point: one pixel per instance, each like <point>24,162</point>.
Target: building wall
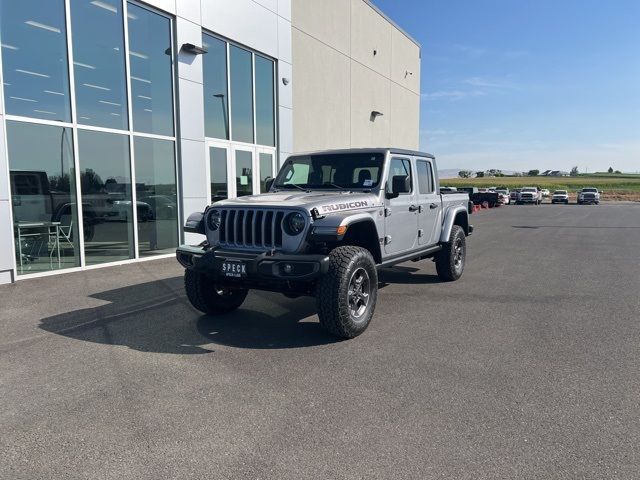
<point>261,25</point>
<point>350,60</point>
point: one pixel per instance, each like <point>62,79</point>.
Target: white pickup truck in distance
<point>530,195</point>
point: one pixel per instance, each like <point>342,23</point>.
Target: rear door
<point>401,222</point>
<point>429,203</point>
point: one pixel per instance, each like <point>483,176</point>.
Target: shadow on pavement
<point>156,317</point>
<point>405,275</point>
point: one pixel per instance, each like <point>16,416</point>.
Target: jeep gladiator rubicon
<point>326,225</point>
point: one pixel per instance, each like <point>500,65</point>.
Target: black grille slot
<point>223,226</point>
<point>268,228</point>
<point>248,224</point>
<point>239,225</point>
<point>231,231</point>
<point>278,229</point>
<point>258,228</point>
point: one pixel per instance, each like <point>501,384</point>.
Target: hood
<point>325,202</point>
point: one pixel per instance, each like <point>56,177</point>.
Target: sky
<point>527,84</point>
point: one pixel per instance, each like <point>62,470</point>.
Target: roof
<point>386,17</point>
<point>399,151</point>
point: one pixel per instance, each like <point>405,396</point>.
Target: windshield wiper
<point>286,185</point>
<point>334,185</point>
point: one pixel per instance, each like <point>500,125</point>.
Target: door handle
<point>413,208</point>
<point>433,205</point>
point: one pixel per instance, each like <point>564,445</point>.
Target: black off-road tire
<point>334,302</point>
<point>449,264</point>
<point>210,298</point>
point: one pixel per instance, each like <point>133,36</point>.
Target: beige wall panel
<point>405,118</point>
<point>326,20</point>
<point>405,57</point>
<point>370,31</point>
<point>320,95</point>
<point>369,91</point>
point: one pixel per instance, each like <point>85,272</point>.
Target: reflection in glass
<point>216,104</point>
<point>98,59</point>
<point>266,169</point>
<point>43,197</point>
<point>218,167</point>
<point>34,58</point>
<point>265,104</point>
<point>106,196</point>
<point>150,63</point>
<point>244,175</point>
<point>241,95</point>
<point>156,196</point>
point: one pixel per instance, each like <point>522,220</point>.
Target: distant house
<point>557,173</point>
<point>546,173</point>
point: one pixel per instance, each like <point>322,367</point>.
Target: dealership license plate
<point>234,269</point>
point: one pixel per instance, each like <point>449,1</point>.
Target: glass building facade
<point>90,115</point>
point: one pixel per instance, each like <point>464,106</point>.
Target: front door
<point>219,170</point>
<point>266,167</point>
<point>401,222</point>
<point>430,208</point>
<point>243,171</point>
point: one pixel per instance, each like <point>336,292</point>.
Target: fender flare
<point>449,220</point>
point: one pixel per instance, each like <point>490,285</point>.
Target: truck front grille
<point>251,228</point>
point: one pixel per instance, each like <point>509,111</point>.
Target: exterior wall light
<point>375,114</point>
<point>192,49</point>
<point>285,81</point>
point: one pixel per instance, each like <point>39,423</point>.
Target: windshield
<point>502,191</point>
<point>589,190</point>
<point>341,171</point>
<point>529,189</point>
<point>560,192</point>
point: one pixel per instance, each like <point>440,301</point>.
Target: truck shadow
<point>157,317</point>
<point>405,275</point>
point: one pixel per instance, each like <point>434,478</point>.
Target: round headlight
<point>294,223</point>
<point>214,220</point>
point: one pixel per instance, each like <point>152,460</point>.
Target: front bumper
<point>260,267</point>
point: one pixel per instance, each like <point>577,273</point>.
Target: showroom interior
<point>119,118</point>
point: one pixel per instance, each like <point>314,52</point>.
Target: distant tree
<point>494,173</point>
<point>618,172</point>
<point>533,173</point>
<point>574,171</point>
<point>479,174</point>
<point>465,173</point>
<point>610,170</point>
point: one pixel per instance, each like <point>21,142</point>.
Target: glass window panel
<point>241,95</point>
<point>424,177</point>
<point>150,64</point>
<point>157,196</point>
<point>218,164</point>
<point>34,58</point>
<point>266,169</point>
<point>216,103</point>
<point>265,102</point>
<point>98,57</point>
<point>105,181</point>
<point>43,197</point>
<point>244,174</point>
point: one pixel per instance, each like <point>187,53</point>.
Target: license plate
<point>234,268</point>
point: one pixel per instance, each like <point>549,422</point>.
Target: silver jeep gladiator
<point>329,221</point>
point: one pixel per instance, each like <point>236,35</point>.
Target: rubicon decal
<point>344,206</point>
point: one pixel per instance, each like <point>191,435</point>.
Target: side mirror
<point>399,184</point>
<point>268,183</point>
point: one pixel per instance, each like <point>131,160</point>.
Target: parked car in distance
<point>589,195</point>
<point>560,196</point>
<point>503,196</point>
<point>448,190</point>
<point>545,193</point>
<point>530,195</point>
<point>513,196</point>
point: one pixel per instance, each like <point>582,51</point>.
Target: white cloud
<point>453,95</point>
<point>488,83</point>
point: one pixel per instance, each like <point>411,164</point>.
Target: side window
<point>425,177</point>
<point>400,166</point>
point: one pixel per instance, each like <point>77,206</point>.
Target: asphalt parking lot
<point>528,367</point>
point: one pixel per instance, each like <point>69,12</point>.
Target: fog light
<point>287,268</point>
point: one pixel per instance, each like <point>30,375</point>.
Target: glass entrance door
<point>243,171</point>
<point>219,170</point>
<point>266,167</point>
